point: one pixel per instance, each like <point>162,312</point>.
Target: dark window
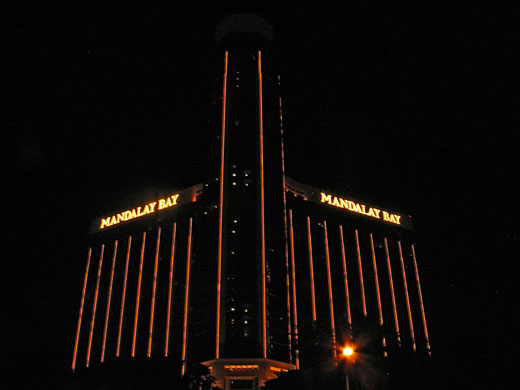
<point>241,384</point>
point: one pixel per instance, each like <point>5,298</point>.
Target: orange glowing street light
<point>348,351</point>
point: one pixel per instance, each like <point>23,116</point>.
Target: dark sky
<point>408,106</point>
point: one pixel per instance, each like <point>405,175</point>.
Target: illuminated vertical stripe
<point>311,271</point>
<point>80,315</point>
<point>421,300</point>
<point>408,308</point>
<point>94,306</point>
<point>221,207</point>
<point>392,294</point>
<point>123,297</point>
<point>288,304</point>
<point>138,295</point>
<point>262,211</point>
<point>378,294</point>
<point>154,289</point>
<point>295,308</point>
<point>109,301</point>
<point>170,289</point>
<point>329,285</point>
<point>287,282</point>
<point>186,303</point>
<point>345,278</point>
<point>361,282</point>
<point>284,196</point>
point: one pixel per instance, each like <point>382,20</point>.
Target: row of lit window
<point>246,174</point>
<point>232,321</point>
<point>246,183</point>
<point>233,309</point>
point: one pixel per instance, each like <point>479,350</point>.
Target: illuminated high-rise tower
<point>249,272</point>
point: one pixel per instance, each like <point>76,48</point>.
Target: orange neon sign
<point>141,211</point>
<point>360,208</point>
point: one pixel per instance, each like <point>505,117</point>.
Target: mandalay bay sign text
<point>148,208</point>
<point>365,210</point>
<point>360,208</point>
<point>140,211</point>
<point>350,205</point>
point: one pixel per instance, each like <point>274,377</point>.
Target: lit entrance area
<point>245,374</point>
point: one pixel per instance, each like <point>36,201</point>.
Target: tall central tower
<point>251,191</point>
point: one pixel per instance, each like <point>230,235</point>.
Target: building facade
<point>249,272</point>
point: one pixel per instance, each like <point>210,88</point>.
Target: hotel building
<point>249,272</point>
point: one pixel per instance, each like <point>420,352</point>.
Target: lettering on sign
<point>141,211</point>
<point>360,208</point>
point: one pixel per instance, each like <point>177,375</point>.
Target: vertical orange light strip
<point>392,294</point>
<point>221,207</point>
<point>186,302</point>
<point>287,282</point>
<point>329,284</point>
<point>262,211</point>
<point>94,306</point>
<point>138,295</point>
<point>123,297</point>
<point>361,282</point>
<point>284,196</point>
<point>154,289</point>
<point>109,301</point>
<point>80,315</point>
<point>345,278</point>
<point>408,308</point>
<point>170,289</point>
<point>295,308</point>
<point>421,301</point>
<point>311,272</point>
<point>378,294</point>
<point>288,303</point>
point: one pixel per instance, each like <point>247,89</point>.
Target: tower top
<point>244,23</point>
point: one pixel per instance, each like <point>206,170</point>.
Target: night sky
<point>407,106</point>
